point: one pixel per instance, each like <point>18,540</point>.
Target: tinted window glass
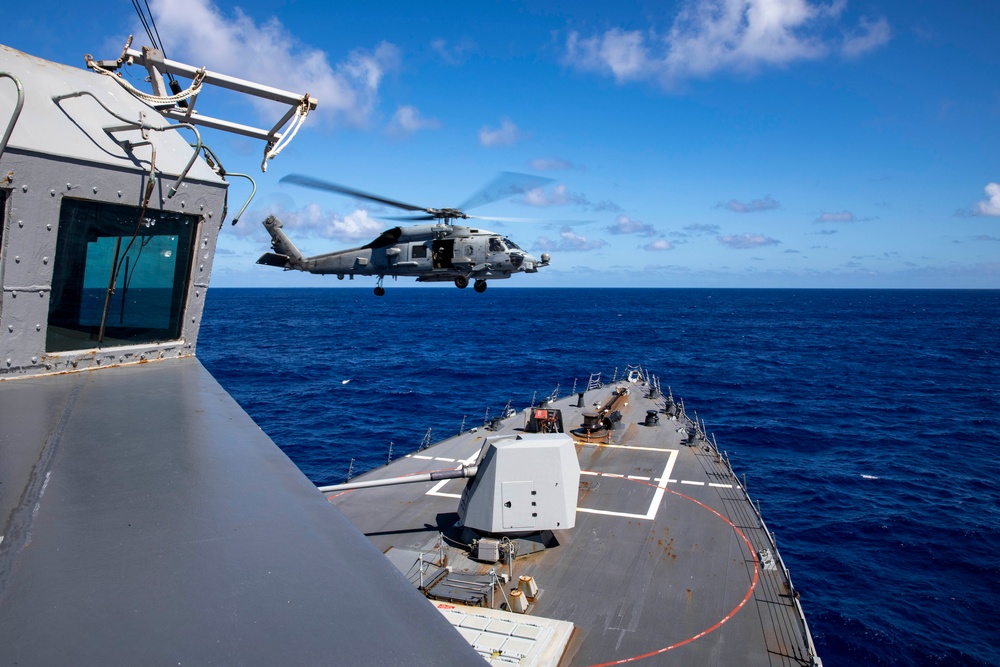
<point>120,275</point>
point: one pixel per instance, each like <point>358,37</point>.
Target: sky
<point>700,143</point>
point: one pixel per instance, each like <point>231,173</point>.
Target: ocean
<point>865,422</point>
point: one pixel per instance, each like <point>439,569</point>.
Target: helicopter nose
<point>530,263</point>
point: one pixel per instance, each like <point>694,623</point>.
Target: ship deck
<point>669,561</point>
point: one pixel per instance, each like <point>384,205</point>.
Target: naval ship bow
<point>602,528</point>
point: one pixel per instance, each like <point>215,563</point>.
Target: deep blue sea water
<point>866,422</point>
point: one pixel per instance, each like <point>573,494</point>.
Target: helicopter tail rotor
<point>285,254</point>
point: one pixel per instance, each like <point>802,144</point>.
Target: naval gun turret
<point>520,484</point>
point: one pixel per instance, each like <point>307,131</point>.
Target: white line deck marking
<point>438,458</point>
<point>436,490</point>
<point>643,479</point>
<point>422,457</point>
<point>638,449</point>
<point>687,481</point>
<point>720,486</point>
<point>654,505</point>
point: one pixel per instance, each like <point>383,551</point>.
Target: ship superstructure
<point>144,517</point>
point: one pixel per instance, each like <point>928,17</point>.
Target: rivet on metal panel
<point>24,188</point>
<point>17,259</point>
<point>119,194</point>
<point>95,190</point>
<point>8,362</point>
<point>69,186</point>
<point>38,327</point>
<point>48,226</point>
<point>183,204</point>
<point>45,260</point>
<point>34,360</point>
<point>10,328</point>
<point>13,294</point>
<point>52,193</point>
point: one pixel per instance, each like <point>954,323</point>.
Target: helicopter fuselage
<point>429,253</point>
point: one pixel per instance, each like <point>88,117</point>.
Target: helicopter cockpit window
<point>511,245</point>
<point>496,245</point>
<point>145,256</point>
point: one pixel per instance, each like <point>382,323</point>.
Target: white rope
<point>272,149</point>
<point>154,100</point>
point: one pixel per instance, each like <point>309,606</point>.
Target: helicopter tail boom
<point>285,254</point>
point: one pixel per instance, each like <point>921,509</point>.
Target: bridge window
<point>120,275</point>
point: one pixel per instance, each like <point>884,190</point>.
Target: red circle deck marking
<point>718,623</point>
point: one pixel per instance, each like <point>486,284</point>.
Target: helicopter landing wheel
<point>379,291</point>
<point>480,286</point>
<point>461,282</point>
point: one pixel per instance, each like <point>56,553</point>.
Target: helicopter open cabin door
<point>443,252</point>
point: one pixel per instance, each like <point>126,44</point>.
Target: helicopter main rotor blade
<point>539,221</point>
<point>317,184</point>
<point>507,184</point>
<point>406,217</point>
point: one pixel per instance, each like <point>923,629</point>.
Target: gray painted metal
<point>61,150</point>
<point>666,562</point>
<point>144,517</point>
<point>152,522</point>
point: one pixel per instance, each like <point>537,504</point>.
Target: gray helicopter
<point>437,252</point>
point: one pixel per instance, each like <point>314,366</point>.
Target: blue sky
<point>709,143</point>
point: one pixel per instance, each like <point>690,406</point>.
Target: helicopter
<point>437,252</point>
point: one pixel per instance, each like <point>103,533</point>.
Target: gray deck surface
<point>147,520</point>
<point>654,567</point>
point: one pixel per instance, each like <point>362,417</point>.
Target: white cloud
<point>408,120</point>
<point>659,245</point>
<point>558,196</point>
<point>765,204</point>
<point>626,225</point>
<point>992,204</point>
<point>452,54</point>
<point>870,36</point>
<point>843,216</point>
<point>708,36</point>
<point>199,32</point>
<point>505,135</point>
<point>746,240</point>
<point>313,221</point>
<point>569,241</point>
<point>550,164</point>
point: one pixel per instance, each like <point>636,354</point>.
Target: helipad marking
<point>436,489</point>
<point>721,621</point>
<point>720,486</point>
<point>654,505</point>
<point>687,481</point>
<point>638,449</point>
